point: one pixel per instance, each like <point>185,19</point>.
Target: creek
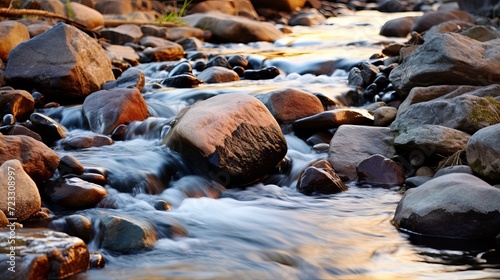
<point>266,231</point>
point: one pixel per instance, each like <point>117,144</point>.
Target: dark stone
<point>131,78</point>
<point>320,179</point>
<point>391,6</point>
<point>262,74</point>
<point>415,181</point>
<point>75,193</point>
<point>182,81</point>
<point>97,260</point>
<point>454,169</point>
<point>218,74</point>
<point>238,60</point>
<point>218,61</point>
<point>181,68</point>
<point>48,128</point>
<point>380,171</point>
<point>125,234</point>
<point>70,165</point>
<point>80,227</point>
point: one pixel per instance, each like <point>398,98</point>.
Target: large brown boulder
<point>235,29</point>
<point>12,33</point>
<point>63,63</point>
<point>38,160</point>
<point>106,109</point>
<point>449,59</point>
<point>231,137</point>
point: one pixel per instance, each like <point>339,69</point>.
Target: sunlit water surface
<point>264,231</point>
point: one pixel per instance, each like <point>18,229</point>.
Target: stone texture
<point>232,138</point>
<point>483,152</point>
<point>380,171</point>
<point>86,16</point>
<point>124,234</point>
<point>236,29</point>
<point>19,103</point>
<point>290,104</point>
<point>454,206</point>
<point>12,33</point>
<point>430,19</point>
<point>399,27</point>
<point>106,109</point>
<point>75,193</point>
<point>44,254</point>
<point>320,178</point>
<point>432,139</point>
<point>125,33</point>
<point>352,144</point>
<point>38,160</point>
<point>449,59</point>
<point>79,67</point>
<point>487,8</point>
<point>20,194</point>
<point>217,74</point>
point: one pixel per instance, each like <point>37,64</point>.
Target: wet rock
<point>218,61</point>
<point>106,109</point>
<point>352,144</point>
<point>384,116</point>
<point>261,74</point>
<point>380,171</point>
<point>39,161</point>
<point>78,68</point>
<point>399,27</point>
<point>280,5</point>
<point>170,52</point>
<point>450,59</point>
<point>467,113</point>
<point>290,104</point>
<point>237,60</point>
<point>224,135</point>
<point>97,260</point>
<point>182,81</point>
<point>416,181</point>
<point>235,29</point>
<point>432,139</point>
<point>84,15</point>
<point>217,74</point>
<point>333,119</point>
<point>122,53</point>
<point>190,44</point>
<point>44,254</point>
<point>162,205</point>
<point>70,165</point>
<point>125,33</point>
<point>181,68</point>
<point>12,33</point>
<point>454,206</point>
<point>47,128</point>
<point>90,177</point>
<point>85,141</point>
<point>79,226</point>
<point>131,78</point>
<point>125,234</point>
<point>307,17</point>
<point>426,21</point>
<point>15,183</point>
<point>19,103</point>
<point>75,192</point>
<point>483,152</point>
<point>320,178</point>
<point>454,169</point>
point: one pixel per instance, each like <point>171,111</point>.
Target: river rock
<point>80,226</point>
<point>12,33</point>
<point>487,8</point>
<point>352,144</point>
<point>432,139</point>
<point>112,7</point>
<point>232,137</point>
<point>454,169</point>
<point>85,141</point>
<point>182,32</point>
<point>290,104</point>
<point>234,29</point>
<point>426,21</point>
<point>19,103</point>
<point>483,152</point>
<point>333,119</point>
<point>131,78</point>
<point>49,129</point>
<point>79,67</point>
<point>106,109</point>
<point>217,74</point>
<point>38,160</point>
<point>307,17</point>
<point>125,33</point>
<point>17,185</point>
<point>242,8</point>
<point>169,52</point>
<point>22,130</point>
<point>467,113</point>
<point>84,15</point>
<point>280,5</point>
<point>44,254</point>
<point>380,171</point>
<point>125,234</point>
<point>75,193</point>
<point>398,27</point>
<point>70,165</point>
<point>448,58</point>
<point>384,115</point>
<point>320,178</point>
<point>481,33</point>
<point>123,53</point>
<point>454,206</point>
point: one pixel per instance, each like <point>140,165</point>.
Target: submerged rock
<point>483,152</point>
<point>43,254</point>
<point>231,138</point>
<point>455,206</point>
<point>21,198</point>
<point>78,67</point>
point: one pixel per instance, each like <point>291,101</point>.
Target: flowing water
<point>266,231</point>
